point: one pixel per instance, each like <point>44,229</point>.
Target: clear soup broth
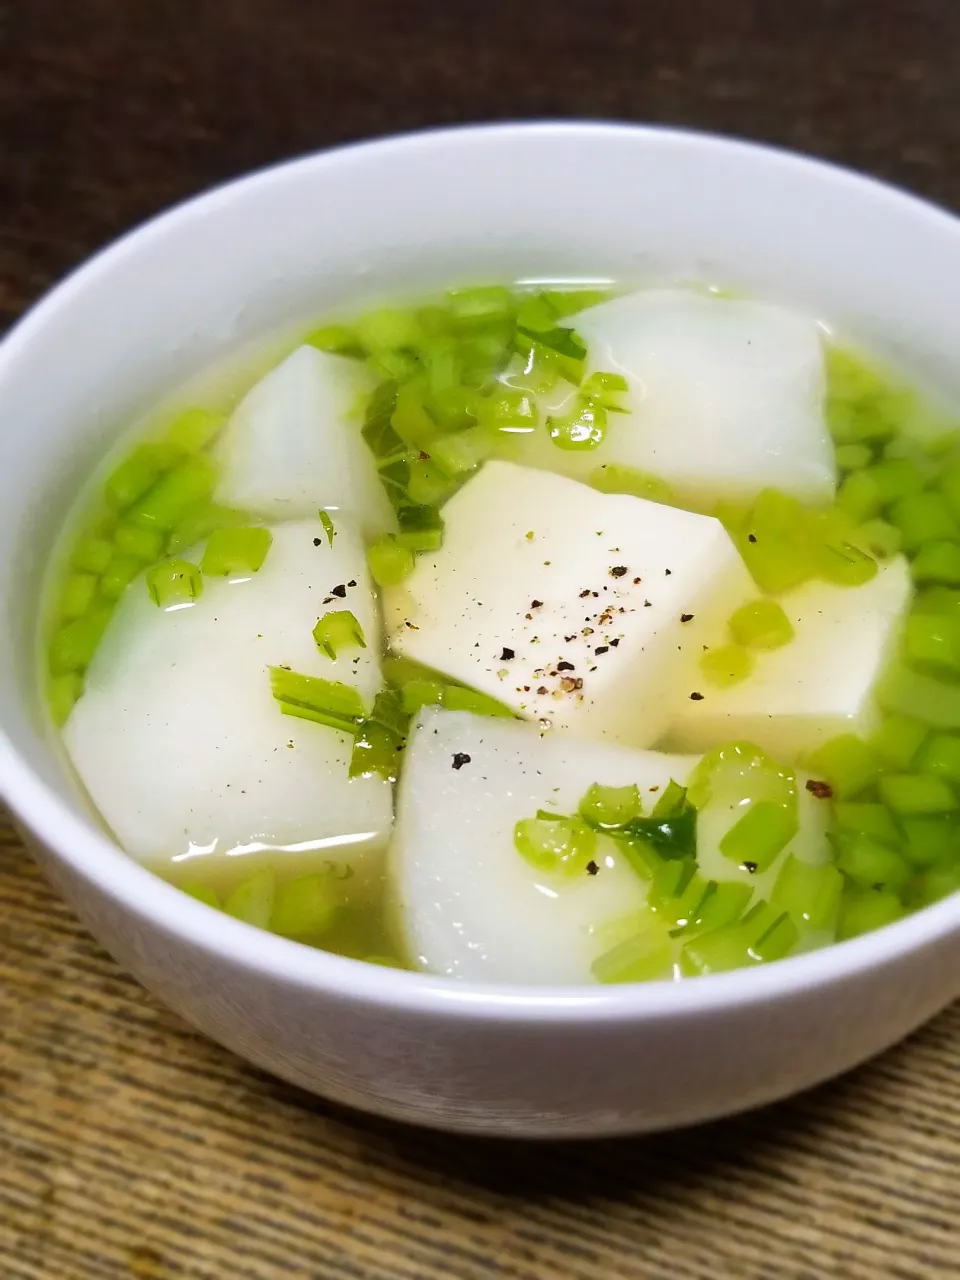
<point>531,634</point>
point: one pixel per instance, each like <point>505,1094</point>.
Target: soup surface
<point>549,635</point>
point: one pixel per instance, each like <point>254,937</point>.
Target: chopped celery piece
<point>849,764</point>
<point>193,429</point>
<point>939,882</point>
<point>167,502</point>
<point>202,892</point>
<point>328,702</point>
<point>199,524</point>
<point>388,712</point>
<point>715,951</point>
<point>763,935</point>
<point>410,419</point>
<point>778,941</point>
<point>138,472</point>
<point>937,562</point>
<point>252,900</point>
<point>726,665</point>
<point>326,521</point>
<point>912,693</point>
<point>763,832</point>
<point>461,452</point>
<point>92,554</point>
<point>811,894</point>
<point>338,630</point>
<point>76,595</point>
<point>607,389</point>
<point>641,854</point>
<point>567,302</point>
<point>930,840</point>
<point>510,410</point>
<point>559,339</point>
<point>241,550</point>
<point>174,583</point>
<point>62,693</point>
<point>761,624</point>
<point>860,496</point>
<point>455,408</point>
<point>336,338</point>
<point>723,904</point>
<point>844,564</point>
<point>950,487</point>
<point>375,750</point>
<point>385,962</point>
<point>874,820</point>
<point>74,644</point>
<point>389,562</point>
<point>610,807</point>
<point>421,528</point>
<point>428,484</point>
<point>305,907</point>
<point>941,755</point>
<point>555,843</point>
<point>645,957</point>
<point>879,538</point>
<point>145,544</point>
<point>583,429</point>
<point>897,478</point>
<point>682,910</point>
<point>388,329</point>
<point>923,517</point>
<point>853,457</point>
<point>459,698</point>
<point>933,640</point>
<point>898,739</point>
<point>421,693</point>
<point>610,477</point>
<point>377,429</point>
<point>863,910</point>
<point>537,314</point>
<point>937,600</point>
<point>670,880</point>
<point>912,794</point>
<point>872,865</point>
<point>480,306</point>
<point>738,772</point>
<point>118,575</point>
<point>774,542</point>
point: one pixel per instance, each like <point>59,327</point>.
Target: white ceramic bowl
<point>554,200</point>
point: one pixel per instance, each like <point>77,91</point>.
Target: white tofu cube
<point>180,742</point>
<point>293,445</point>
<point>818,685</point>
<point>726,398</point>
<point>585,611</point>
<point>470,906</point>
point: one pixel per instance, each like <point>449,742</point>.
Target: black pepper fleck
<point>601,648</point>
<point>822,790</point>
<point>352,582</point>
<point>749,866</point>
<point>460,759</point>
<point>647,604</point>
<point>667,572</point>
<point>565,666</point>
<point>751,537</point>
<point>686,617</point>
<point>318,542</point>
<point>614,643</point>
<point>507,654</point>
<point>592,868</point>
<point>618,571</point>
<point>536,604</point>
<point>340,591</point>
<point>696,697</point>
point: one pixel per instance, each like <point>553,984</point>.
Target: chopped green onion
<point>76,595</point>
<point>74,644</point>
<point>92,554</point>
<point>410,419</point>
<point>145,544</point>
<point>428,485</point>
<point>199,523</point>
<point>879,539</point>
<point>722,905</point>
<point>388,329</point>
<point>606,389</point>
<point>610,807</point>
<point>337,630</point>
<point>849,764</point>
<point>252,900</point>
<point>582,429</point>
<point>871,864</point>
<point>644,957</point>
<point>168,501</point>
<point>937,562</point>
<point>480,306</point>
<point>726,665</point>
<point>305,907</point>
<point>328,702</point>
<point>762,833</point>
<point>911,794</point>
<point>389,562</point>
<point>874,820</point>
<point>202,892</point>
<point>138,472</point>
<point>930,840</point>
<point>761,624</point>
<point>672,827</point>
<point>421,528</point>
<point>941,755</point>
<point>864,910</point>
<point>558,843</point>
<point>174,583</point>
<point>118,575</point>
<point>328,527</point>
<point>63,692</point>
<point>932,640</point>
<point>610,477</point>
<point>232,551</point>
<point>461,452</point>
<point>912,693</point>
<point>923,517</point>
<point>193,429</point>
<point>898,739</point>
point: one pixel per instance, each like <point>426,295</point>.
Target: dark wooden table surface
<point>129,1145</point>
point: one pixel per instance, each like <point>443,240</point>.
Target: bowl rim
<point>93,857</point>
